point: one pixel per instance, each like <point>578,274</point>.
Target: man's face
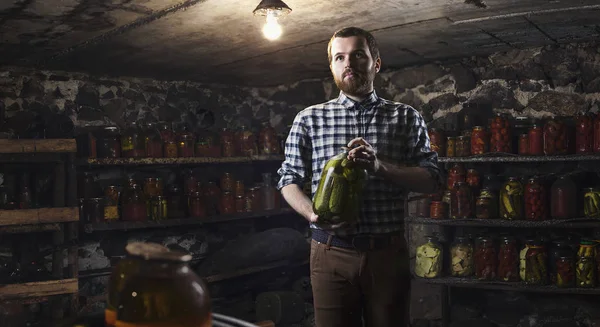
<point>352,66</point>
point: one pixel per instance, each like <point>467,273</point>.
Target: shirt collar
<point>370,101</point>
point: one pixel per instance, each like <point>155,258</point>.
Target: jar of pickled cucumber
<point>591,202</point>
<point>428,263</point>
<point>511,199</point>
<point>585,268</point>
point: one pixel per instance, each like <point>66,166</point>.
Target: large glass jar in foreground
<point>164,291</point>
<point>428,262</point>
<point>339,194</point>
<point>511,199</point>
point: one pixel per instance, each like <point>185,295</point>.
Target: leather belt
<point>360,243</point>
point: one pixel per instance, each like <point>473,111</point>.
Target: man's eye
<point>338,58</point>
<point>359,54</point>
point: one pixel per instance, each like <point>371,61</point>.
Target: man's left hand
<point>364,155</point>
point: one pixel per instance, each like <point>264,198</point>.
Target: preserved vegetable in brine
<point>591,202</point>
<point>479,140</point>
<point>511,200</point>
<point>450,146</point>
<point>428,262</point>
<point>508,260</point>
<point>556,140</point>
<point>523,144</point>
<point>461,203</point>
<point>461,256</point>
<point>585,269</point>
<point>564,199</point>
<point>565,272</point>
<point>339,194</point>
<point>535,200</point>
<point>533,263</point>
<point>456,174</point>
<point>536,140</point>
<point>584,134</point>
<point>463,146</point>
<point>500,138</point>
<point>485,259</point>
<point>436,140</point>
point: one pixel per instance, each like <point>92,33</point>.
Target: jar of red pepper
<point>246,141</point>
<point>134,203</point>
<point>536,207</point>
<point>584,134</point>
<point>463,146</point>
<point>227,205</point>
<point>436,140</point>
<point>508,260</point>
<point>556,139</point>
<point>438,210</point>
<point>485,259</point>
<point>536,140</point>
<point>500,138</point>
<point>479,140</point>
<point>268,142</point>
<point>197,207</point>
<point>474,180</point>
<point>456,174</point>
<point>461,205</point>
<point>596,128</point>
<point>524,144</point>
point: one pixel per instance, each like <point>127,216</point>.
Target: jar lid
<point>591,189</point>
<point>587,243</point>
<point>478,128</point>
<point>524,135</point>
<point>451,138</point>
<point>154,251</point>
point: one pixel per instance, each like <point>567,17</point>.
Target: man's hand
<point>364,155</point>
<point>314,218</point>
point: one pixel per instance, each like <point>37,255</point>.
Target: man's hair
<point>355,31</point>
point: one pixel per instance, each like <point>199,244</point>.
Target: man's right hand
<point>314,218</point>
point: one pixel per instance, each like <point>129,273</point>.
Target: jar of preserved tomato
<point>424,206</point>
<point>246,142</point>
<point>479,141</point>
<point>463,146</point>
<point>239,188</point>
<point>473,180</point>
<point>228,144</point>
<point>450,146</point>
<point>535,194</point>
<point>268,142</point>
<point>133,144</point>
<point>482,207</point>
<point>533,263</point>
<point>165,129</point>
<point>584,134</point>
<point>565,271</point>
<point>508,260</point>
<point>109,143</point>
<point>563,199</point>
<point>170,149</point>
<point>536,140</point>
<point>560,248</point>
<point>134,203</point>
<point>185,145</point>
<point>153,141</point>
<point>511,199</point>
<point>485,259</point>
<point>153,186</point>
<point>461,257</point>
<point>227,183</point>
<point>197,207</point>
<point>500,135</point>
<point>456,174</point>
<point>591,202</point>
<point>596,128</point>
<point>436,140</point>
<point>438,210</point>
<point>461,205</point>
<point>524,144</point>
<point>227,203</point>
<point>556,140</point>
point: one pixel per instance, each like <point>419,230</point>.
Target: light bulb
<point>272,29</point>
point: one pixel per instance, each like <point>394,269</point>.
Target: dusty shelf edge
<point>23,217</point>
<point>39,289</point>
<point>519,158</point>
<point>574,223</point>
<point>176,161</point>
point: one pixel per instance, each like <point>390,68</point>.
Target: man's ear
<point>377,65</point>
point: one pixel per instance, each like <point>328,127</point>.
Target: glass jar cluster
<point>161,140</point>
<point>508,259</point>
<point>150,199</point>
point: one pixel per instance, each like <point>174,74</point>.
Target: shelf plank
<point>176,161</point>
<point>38,216</point>
<point>23,229</point>
<point>38,289</point>
<point>493,157</point>
<point>569,223</point>
<point>253,270</point>
<point>505,286</point>
<point>127,225</point>
<point>38,146</point>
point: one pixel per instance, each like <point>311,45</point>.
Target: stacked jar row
<point>149,200</point>
<point>160,140</point>
<point>532,263</point>
<point>552,137</point>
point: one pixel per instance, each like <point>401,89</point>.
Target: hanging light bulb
<point>273,10</point>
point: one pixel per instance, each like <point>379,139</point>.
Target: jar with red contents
<point>153,187</point>
<point>170,149</point>
<point>523,144</point>
<point>584,134</point>
<point>596,128</point>
<point>438,210</point>
<point>563,199</point>
<point>479,141</point>
<point>456,174</point>
<point>474,180</point>
<point>556,140</point>
<point>227,183</point>
<point>450,146</point>
<point>508,260</point>
<point>134,203</point>
<point>461,205</point>
<point>246,142</point>
<point>228,144</point>
<point>153,141</point>
<point>500,134</point>
<point>536,140</point>
<point>239,188</point>
<point>165,130</point>
<point>133,144</point>
<point>108,144</point>
<point>485,259</point>
<point>197,206</point>
<point>254,200</point>
<point>212,195</point>
<point>227,203</point>
<point>190,183</point>
<point>268,142</point>
<point>185,145</point>
<point>436,141</point>
<point>535,195</point>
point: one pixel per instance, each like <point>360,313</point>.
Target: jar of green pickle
<point>461,256</point>
<point>450,146</point>
<point>428,262</point>
<point>585,269</point>
<point>533,263</point>
<point>511,199</point>
<point>591,202</point>
<point>488,204</point>
<point>463,146</point>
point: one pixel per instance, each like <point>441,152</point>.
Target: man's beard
<point>358,85</point>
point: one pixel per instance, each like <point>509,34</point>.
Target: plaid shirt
<point>396,131</point>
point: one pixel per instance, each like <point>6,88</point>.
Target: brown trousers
<point>354,289</point>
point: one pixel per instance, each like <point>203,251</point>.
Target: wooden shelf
<point>505,286</point>
<point>569,223</point>
<point>38,146</point>
<point>253,270</point>
<point>176,161</point>
<point>38,289</point>
<point>127,225</point>
<point>38,216</point>
<point>507,157</point>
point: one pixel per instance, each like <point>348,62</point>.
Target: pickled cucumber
<point>339,190</point>
<point>321,202</point>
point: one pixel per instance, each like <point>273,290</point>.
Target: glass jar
<point>584,134</point>
<point>463,146</point>
<point>240,204</point>
<point>93,210</point>
<point>523,144</point>
<point>565,271</point>
<point>239,188</point>
<point>508,260</point>
<point>153,186</point>
<point>461,205</point>
<point>450,146</point>
<point>227,203</point>
<point>163,291</point>
<point>152,140</point>
<point>212,194</point>
<point>246,142</point>
<point>436,141</point>
<point>170,149</point>
<point>424,206</point>
<point>585,268</point>
<point>185,145</point>
<point>474,180</point>
<point>482,207</point>
<point>428,262</point>
<point>438,210</point>
<point>157,208</point>
<point>563,199</point>
<point>109,143</point>
<point>560,248</point>
<point>197,208</point>
<point>596,147</point>
<point>227,183</point>
<point>339,193</point>
<point>597,253</point>
<point>556,140</point>
<point>511,199</point>
<point>134,203</point>
<point>133,144</point>
<point>228,144</point>
<point>500,134</point>
<point>165,129</point>
<point>479,141</point>
<point>591,202</point>
<point>202,148</point>
<point>461,257</point>
<point>536,207</point>
<point>536,140</point>
<point>485,259</point>
<point>268,142</point>
<point>456,174</point>
<point>533,263</point>
<point>111,206</point>
<point>176,202</point>
<point>269,194</point>
<point>493,200</point>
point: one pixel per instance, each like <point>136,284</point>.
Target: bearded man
<point>360,273</point>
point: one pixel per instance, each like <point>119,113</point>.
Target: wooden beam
<point>38,146</point>
<point>38,216</point>
<point>38,289</point>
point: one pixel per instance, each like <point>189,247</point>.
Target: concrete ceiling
<point>220,41</point>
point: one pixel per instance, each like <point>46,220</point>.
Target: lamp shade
<point>276,5</point>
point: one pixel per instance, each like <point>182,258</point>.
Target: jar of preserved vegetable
<point>556,140</point>
<point>239,188</point>
<point>153,141</point>
<point>536,207</point>
<point>438,210</point>
<point>474,180</point>
<point>428,262</point>
<point>240,204</point>
<point>585,268</point>
<point>246,142</point>
<point>133,144</point>
<point>163,291</point>
<point>511,199</point>
<point>228,144</point>
<point>493,198</point>
<point>450,146</point>
<point>339,193</point>
<point>197,208</point>
<point>591,202</point>
<point>479,140</point>
<point>436,140</point>
<point>424,205</point>
<point>536,140</point>
<point>596,128</point>
<point>461,257</point>
<point>461,205</point>
<point>212,194</point>
<point>185,145</point>
<point>463,146</point>
<point>533,262</point>
<point>597,253</point>
<point>227,183</point>
<point>456,174</point>
<point>93,210</point>
<point>170,149</point>
<point>485,259</point>
<point>109,143</point>
<point>584,134</point>
<point>111,207</point>
<point>158,208</point>
<point>508,260</point>
<point>565,271</point>
<point>227,203</point>
<point>564,199</point>
<point>176,202</point>
<point>482,207</point>
<point>560,248</point>
<point>153,186</point>
<point>523,144</point>
<point>134,204</point>
<point>500,138</point>
<point>268,142</point>
<point>165,129</point>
